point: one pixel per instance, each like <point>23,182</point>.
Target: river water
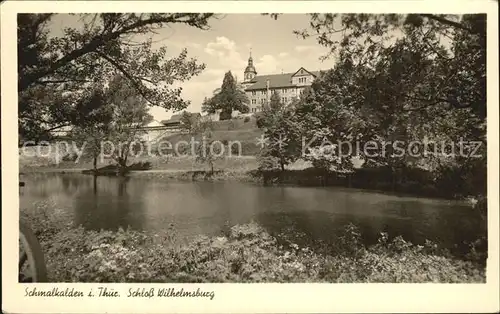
<point>301,213</point>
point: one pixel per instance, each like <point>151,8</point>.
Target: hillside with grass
<point>240,130</point>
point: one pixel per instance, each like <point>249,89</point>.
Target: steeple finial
<point>250,59</point>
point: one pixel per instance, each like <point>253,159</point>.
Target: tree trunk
<point>393,178</point>
<point>95,183</point>
<point>95,163</point>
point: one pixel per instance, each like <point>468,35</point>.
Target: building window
<point>254,93</point>
<point>254,101</point>
<point>262,101</point>
<point>302,80</point>
<point>264,92</point>
<point>283,90</point>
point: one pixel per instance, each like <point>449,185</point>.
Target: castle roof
<point>275,80</point>
<point>250,68</point>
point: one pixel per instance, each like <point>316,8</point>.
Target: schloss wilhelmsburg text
<point>169,293</point>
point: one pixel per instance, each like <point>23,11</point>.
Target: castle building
<point>259,88</point>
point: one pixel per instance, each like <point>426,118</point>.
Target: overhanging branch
<point>185,18</point>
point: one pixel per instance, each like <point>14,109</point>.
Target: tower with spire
<point>250,71</point>
<point>259,88</point>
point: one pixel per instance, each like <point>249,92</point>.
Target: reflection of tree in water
<point>321,229</point>
<point>108,205</point>
<point>72,184</point>
<point>461,225</point>
<point>317,229</point>
<point>451,226</point>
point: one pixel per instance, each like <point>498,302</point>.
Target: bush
<point>70,157</point>
<point>247,119</point>
<point>144,165</point>
<point>267,162</point>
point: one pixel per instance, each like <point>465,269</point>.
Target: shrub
<point>144,165</point>
<point>267,162</point>
<point>70,157</point>
<point>247,119</point>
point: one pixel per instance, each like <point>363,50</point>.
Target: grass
<point>44,157</point>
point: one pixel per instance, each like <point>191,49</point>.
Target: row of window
<point>282,91</point>
<point>302,80</point>
<point>263,101</point>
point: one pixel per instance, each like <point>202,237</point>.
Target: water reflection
<point>109,205</point>
<point>308,215</point>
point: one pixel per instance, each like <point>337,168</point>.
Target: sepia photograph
<point>206,148</point>
<point>192,148</point>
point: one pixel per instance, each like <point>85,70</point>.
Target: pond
<point>304,214</point>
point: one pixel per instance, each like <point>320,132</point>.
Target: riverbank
<point>410,181</point>
<point>243,253</point>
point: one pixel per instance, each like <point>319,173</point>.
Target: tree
<point>188,122</point>
<point>205,151</point>
<point>328,120</point>
<point>92,123</point>
<point>230,97</point>
<point>427,79</point>
<point>456,44</point>
<point>130,113</point>
<point>52,71</point>
<point>282,130</point>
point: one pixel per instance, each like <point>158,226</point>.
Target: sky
<point>226,47</point>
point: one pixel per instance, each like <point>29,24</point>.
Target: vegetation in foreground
<point>245,253</point>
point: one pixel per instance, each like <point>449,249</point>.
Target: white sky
<point>226,47</point>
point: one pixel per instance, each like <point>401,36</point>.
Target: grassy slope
<point>232,130</point>
<point>236,130</point>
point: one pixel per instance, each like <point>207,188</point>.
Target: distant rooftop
<point>176,118</point>
<point>275,80</point>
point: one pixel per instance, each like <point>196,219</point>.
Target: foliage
<point>453,47</point>
<point>281,129</point>
<point>130,113</point>
<point>92,123</point>
<point>460,81</point>
<point>206,151</point>
<point>54,71</point>
<point>399,78</point>
<point>246,253</point>
<point>266,161</point>
<point>230,97</point>
<point>329,119</point>
<point>188,122</point>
